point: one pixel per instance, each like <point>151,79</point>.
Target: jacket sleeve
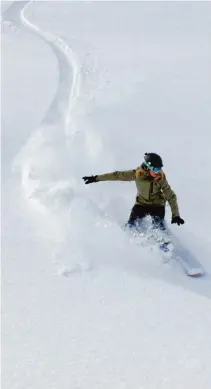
<point>170,196</point>
<point>127,175</point>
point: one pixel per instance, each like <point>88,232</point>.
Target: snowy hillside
<point>88,88</point>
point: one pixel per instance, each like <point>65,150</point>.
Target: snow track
<point>49,164</point>
<point>55,126</point>
<point>62,107</point>
<point>45,156</point>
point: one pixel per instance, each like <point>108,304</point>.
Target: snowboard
<point>174,251</point>
<point>170,248</point>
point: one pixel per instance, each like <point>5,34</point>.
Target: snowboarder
<point>153,190</point>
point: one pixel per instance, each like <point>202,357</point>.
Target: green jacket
<point>150,191</point>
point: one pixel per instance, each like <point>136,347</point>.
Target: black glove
<point>177,220</point>
<point>90,179</point>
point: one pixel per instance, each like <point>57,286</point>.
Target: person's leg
<point>138,212</point>
<point>158,215</point>
<point>158,223</point>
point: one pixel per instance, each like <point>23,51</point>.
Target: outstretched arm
<point>127,175</point>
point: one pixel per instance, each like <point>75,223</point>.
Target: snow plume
<point>45,155</point>
<point>49,164</point>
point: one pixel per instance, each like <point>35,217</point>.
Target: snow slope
<point>88,87</point>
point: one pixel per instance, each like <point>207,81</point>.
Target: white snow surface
<point>87,88</point>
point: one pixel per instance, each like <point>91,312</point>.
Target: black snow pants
<point>157,212</point>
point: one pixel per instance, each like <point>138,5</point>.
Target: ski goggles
<point>154,169</point>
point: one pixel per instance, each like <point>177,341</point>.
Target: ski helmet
<point>153,159</point>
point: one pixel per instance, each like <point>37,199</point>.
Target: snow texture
<point>87,88</point>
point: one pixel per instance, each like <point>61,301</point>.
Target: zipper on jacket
<point>151,189</point>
